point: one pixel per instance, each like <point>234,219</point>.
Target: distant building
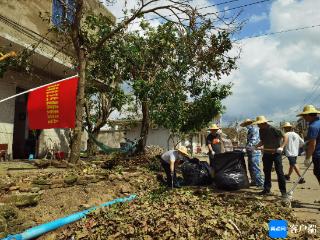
<point>113,134</point>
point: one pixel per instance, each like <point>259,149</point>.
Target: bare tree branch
<point>139,12</point>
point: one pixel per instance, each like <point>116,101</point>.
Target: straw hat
<point>214,127</point>
<point>287,125</point>
<point>246,122</point>
<point>183,150</point>
<point>260,120</point>
<point>307,110</point>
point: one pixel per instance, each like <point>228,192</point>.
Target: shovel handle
<point>297,182</point>
<point>172,181</point>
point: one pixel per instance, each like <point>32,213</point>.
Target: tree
<point>98,107</point>
<point>175,76</point>
<point>84,49</point>
<point>87,39</point>
<point>108,67</point>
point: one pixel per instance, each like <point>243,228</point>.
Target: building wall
<point>20,27</point>
<point>8,85</point>
<point>26,15</point>
<point>158,137</point>
<point>111,138</point>
<point>7,113</point>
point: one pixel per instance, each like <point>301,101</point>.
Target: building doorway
<point>25,141</point>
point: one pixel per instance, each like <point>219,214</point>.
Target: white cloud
<point>278,73</point>
<point>258,18</point>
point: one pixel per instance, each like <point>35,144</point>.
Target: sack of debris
<point>230,171</point>
<point>196,172</point>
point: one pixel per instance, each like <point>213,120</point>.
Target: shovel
<point>289,196</point>
<point>172,174</point>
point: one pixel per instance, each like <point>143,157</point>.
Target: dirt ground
<point>56,203</point>
<point>306,197</point>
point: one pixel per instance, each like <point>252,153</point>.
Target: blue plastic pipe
<point>50,226</point>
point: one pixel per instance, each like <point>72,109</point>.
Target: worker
<point>292,150</point>
<point>254,155</point>
<point>273,141</point>
<point>170,160</point>
<point>310,115</point>
<point>213,141</point>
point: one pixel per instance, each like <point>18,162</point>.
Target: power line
<point>203,7</point>
<point>242,6</point>
<point>315,87</point>
<point>313,99</point>
<point>279,32</point>
<point>213,13</point>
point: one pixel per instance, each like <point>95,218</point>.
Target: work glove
<point>211,154</point>
<point>307,162</point>
<point>279,150</point>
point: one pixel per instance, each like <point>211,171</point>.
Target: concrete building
<point>113,134</point>
<point>118,130</point>
<point>21,27</point>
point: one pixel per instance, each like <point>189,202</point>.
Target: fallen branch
<point>236,227</point>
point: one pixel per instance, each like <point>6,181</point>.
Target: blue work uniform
<point>314,134</point>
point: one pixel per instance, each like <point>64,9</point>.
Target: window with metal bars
<point>62,12</point>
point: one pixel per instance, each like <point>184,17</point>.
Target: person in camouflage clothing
<point>254,156</point>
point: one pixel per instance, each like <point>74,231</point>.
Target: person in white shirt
<point>292,150</point>
<point>170,161</point>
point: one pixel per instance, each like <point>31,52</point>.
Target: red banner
<point>53,106</point>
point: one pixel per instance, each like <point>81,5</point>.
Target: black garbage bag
<point>230,170</point>
<point>196,172</point>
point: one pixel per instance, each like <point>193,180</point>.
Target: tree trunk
<point>91,146</point>
<point>76,141</point>
<point>144,128</point>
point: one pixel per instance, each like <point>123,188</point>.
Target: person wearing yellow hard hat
<point>254,156</point>
<point>273,141</point>
<point>170,160</point>
<point>213,141</point>
<point>310,115</point>
<point>292,150</point>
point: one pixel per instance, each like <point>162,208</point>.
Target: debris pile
<point>184,214</point>
<point>149,157</point>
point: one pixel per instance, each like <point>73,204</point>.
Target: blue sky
<point>256,17</point>
<point>277,74</point>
